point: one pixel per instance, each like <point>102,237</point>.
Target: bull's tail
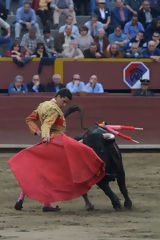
<point>75,108</point>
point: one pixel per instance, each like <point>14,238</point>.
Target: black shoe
<point>18,205</point>
<point>51,209</point>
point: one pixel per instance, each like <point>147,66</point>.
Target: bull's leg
<point>123,189</point>
<point>88,204</point>
<point>104,185</point>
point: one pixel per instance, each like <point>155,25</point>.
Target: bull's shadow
<point>104,144</point>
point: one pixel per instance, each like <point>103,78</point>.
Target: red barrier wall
<point>126,110</point>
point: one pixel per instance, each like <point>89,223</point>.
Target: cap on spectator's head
<point>102,1</point>
<point>144,81</point>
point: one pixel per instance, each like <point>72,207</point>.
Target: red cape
<point>60,170</point>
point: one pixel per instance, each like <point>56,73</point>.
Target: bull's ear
<point>81,141</point>
<point>108,136</point>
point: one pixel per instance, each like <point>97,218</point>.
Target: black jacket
<point>142,17</point>
<point>40,89</point>
<point>51,87</point>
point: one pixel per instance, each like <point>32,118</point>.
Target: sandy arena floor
<point>74,222</point>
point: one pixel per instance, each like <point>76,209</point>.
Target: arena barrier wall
<point>114,109</point>
<point>109,71</point>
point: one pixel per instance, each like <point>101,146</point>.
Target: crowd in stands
<point>130,29</point>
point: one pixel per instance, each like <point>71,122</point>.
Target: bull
<point>104,144</point>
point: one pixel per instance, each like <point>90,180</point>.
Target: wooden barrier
<point>114,109</point>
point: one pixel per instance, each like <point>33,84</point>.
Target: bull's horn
<point>81,141</point>
<point>108,136</point>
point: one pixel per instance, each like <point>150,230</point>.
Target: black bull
<point>108,151</point>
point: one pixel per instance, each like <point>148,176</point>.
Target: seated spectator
<point>8,4</point>
<point>84,40</point>
<point>103,14</point>
<point>155,5</point>
<point>92,52</point>
<point>25,18</point>
<point>72,51</point>
<point>55,85</point>
<point>30,40</point>
<point>113,51</point>
<point>151,28</point>
<point>119,38</point>
<point>152,52</point>
<point>66,7</point>
<point>40,51</point>
<point>133,5</point>
<point>156,39</point>
<point>49,41</point>
<point>76,85</point>
<point>82,7</point>
<point>139,39</point>
<point>146,14</point>
<point>69,21</point>
<point>6,38</point>
<point>3,11</point>
<point>35,85</point>
<point>93,86</point>
<point>144,91</point>
<point>18,57</point>
<point>134,52</point>
<point>93,25</point>
<point>102,41</point>
<point>18,86</point>
<point>41,8</point>
<point>62,39</point>
<point>132,27</point>
<point>120,15</point>
<point>95,2</point>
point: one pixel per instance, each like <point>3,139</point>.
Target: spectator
<point>55,85</point>
<point>25,18</point>
<point>152,52</point>
<point>93,25</point>
<point>146,14</point>
<point>35,85</point>
<point>84,40</point>
<point>93,86</point>
<point>120,15</point>
<point>119,38</point>
<point>134,52</point>
<point>40,51</point>
<point>30,40</point>
<point>103,14</point>
<point>155,5</point>
<point>134,5</point>
<point>41,8</point>
<point>93,5</point>
<point>76,85</point>
<point>8,4</point>
<point>156,39</point>
<point>151,28</point>
<point>72,51</point>
<point>82,7</point>
<point>3,12</point>
<point>92,52</point>
<point>18,57</point>
<point>66,7</point>
<point>62,40</point>
<point>17,86</point>
<point>144,91</point>
<point>113,51</point>
<point>49,42</point>
<point>139,39</point>
<point>132,27</point>
<point>102,41</point>
<point>69,21</point>
<point>6,37</point>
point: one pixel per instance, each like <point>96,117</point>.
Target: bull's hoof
<point>128,204</point>
<point>117,206</point>
<point>90,207</point>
